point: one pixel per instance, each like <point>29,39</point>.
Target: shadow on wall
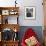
<point>37,29</point>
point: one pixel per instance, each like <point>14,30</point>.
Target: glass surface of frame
<point>29,12</point>
<point>5,12</point>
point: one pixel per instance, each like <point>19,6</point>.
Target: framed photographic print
<point>29,12</point>
<point>5,12</point>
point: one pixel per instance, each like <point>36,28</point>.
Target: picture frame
<point>30,12</point>
<point>5,12</point>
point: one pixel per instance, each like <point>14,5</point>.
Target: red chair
<point>29,33</point>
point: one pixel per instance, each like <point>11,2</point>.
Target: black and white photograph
<point>29,12</point>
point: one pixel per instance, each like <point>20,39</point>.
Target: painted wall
<point>38,21</point>
<point>39,13</point>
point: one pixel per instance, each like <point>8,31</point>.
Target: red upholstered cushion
<point>29,33</point>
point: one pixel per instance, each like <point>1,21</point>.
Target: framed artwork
<point>5,12</point>
<point>29,12</point>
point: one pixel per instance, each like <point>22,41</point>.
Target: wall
<point>38,21</point>
<point>39,13</point>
